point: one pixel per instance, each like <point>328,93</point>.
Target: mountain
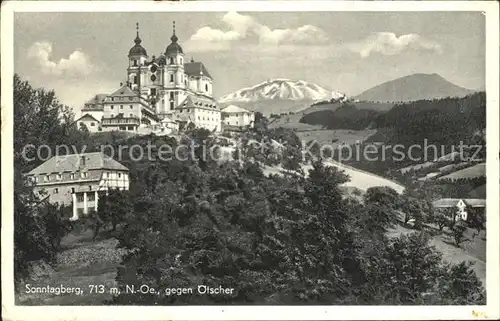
<point>414,87</point>
<point>280,96</point>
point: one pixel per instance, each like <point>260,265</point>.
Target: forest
<point>276,239</point>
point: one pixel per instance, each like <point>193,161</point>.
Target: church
<point>165,93</point>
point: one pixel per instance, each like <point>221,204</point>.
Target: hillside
<point>469,172</point>
<point>414,87</point>
<point>346,116</point>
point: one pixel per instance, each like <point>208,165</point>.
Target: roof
<point>137,49</point>
<point>234,109</point>
<point>194,69</point>
<point>173,48</point>
<point>71,163</point>
<point>194,101</point>
<point>124,91</point>
<point>87,115</point>
<point>452,202</point>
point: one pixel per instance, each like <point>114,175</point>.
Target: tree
<point>39,119</point>
<point>458,231</point>
<point>476,219</point>
<point>409,206</point>
<point>412,267</point>
<point>382,195</point>
<point>460,285</point>
<point>113,208</point>
<point>440,219</point>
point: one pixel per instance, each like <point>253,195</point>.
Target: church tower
<point>137,57</point>
<point>173,80</point>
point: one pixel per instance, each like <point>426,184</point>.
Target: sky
<point>81,54</point>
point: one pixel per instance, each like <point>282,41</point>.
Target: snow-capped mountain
<point>281,89</point>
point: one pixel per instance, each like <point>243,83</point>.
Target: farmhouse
<point>460,205</point>
<point>78,179</point>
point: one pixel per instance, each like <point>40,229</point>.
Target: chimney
<point>82,161</point>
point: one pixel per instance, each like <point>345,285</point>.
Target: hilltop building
<point>159,91</point>
<point>236,116</point>
<point>78,179</point>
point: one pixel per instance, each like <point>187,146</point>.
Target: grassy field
<point>81,263</point>
<point>469,172</point>
<point>336,137</point>
<point>473,249</point>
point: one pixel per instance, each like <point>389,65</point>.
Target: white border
<point>490,311</point>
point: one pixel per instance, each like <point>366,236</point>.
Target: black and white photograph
<point>234,155</point>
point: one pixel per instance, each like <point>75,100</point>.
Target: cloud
<point>387,43</point>
<point>246,28</point>
<point>77,64</point>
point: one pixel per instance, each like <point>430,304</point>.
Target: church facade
<point>165,92</point>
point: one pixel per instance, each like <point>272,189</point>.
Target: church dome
<point>174,48</point>
<point>137,49</point>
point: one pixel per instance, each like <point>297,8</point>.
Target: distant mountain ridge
<point>414,87</point>
<point>278,96</point>
<point>281,89</point>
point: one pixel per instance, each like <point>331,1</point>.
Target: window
<point>47,178</point>
<point>91,197</point>
<point>59,177</point>
<point>112,115</point>
<point>171,61</point>
<point>36,179</point>
<point>171,95</point>
<point>130,127</point>
<point>92,124</point>
<point>135,79</point>
<point>131,115</point>
<point>130,98</point>
<point>180,60</point>
<point>206,87</point>
<point>123,128</point>
<point>56,191</point>
<point>171,105</point>
<point>72,176</point>
<point>171,78</point>
<point>198,117</point>
<point>119,175</point>
<point>79,198</point>
<point>90,187</point>
<point>111,107</point>
<point>153,91</point>
<point>121,106</point>
<point>131,107</point>
<point>135,62</point>
<point>72,190</point>
<point>112,99</point>
<point>83,175</point>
